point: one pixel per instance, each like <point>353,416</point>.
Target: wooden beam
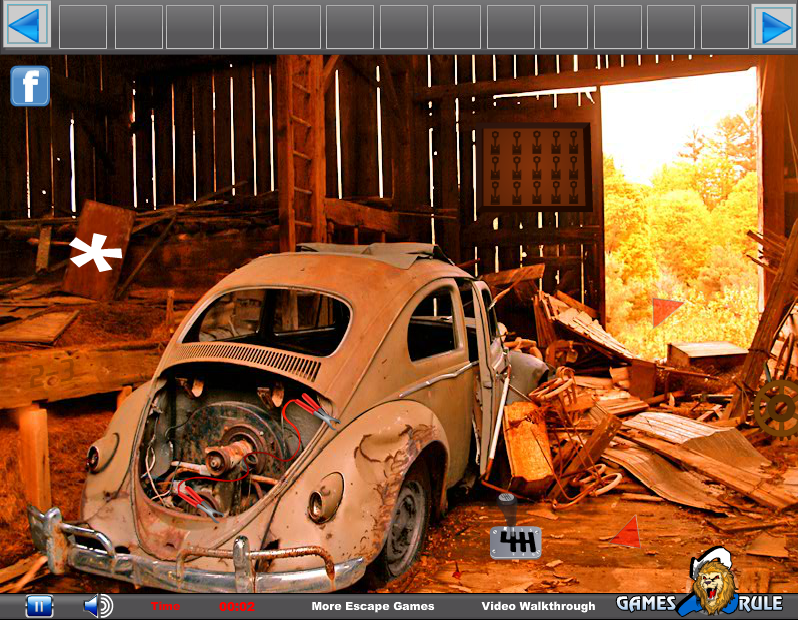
<point>345,213</point>
<point>771,129</point>
<point>319,165</point>
<point>779,296</point>
<point>51,375</point>
<point>43,251</point>
<point>500,279</point>
<point>284,152</point>
<point>329,71</point>
<point>477,232</point>
<point>34,457</point>
<point>393,99</point>
<point>699,65</point>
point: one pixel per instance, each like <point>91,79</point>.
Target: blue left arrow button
<point>28,25</point>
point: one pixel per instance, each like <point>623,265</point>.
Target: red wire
<point>291,458</point>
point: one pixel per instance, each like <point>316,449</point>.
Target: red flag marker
<point>629,536</point>
<point>663,308</point>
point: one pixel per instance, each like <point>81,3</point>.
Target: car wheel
<point>408,529</point>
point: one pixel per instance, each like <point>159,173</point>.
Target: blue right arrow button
<point>772,27</point>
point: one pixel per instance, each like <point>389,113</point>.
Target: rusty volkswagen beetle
<point>305,422</point>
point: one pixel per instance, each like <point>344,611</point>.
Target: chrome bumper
<point>64,545</point>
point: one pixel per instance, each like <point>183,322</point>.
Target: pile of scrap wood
<point>576,436</point>
<point>217,212</point>
<point>609,422</point>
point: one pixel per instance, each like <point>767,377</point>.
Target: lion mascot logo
<point>713,584</point>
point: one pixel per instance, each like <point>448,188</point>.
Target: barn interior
<point>207,162</point>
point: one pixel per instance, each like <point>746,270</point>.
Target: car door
<point>492,366</point>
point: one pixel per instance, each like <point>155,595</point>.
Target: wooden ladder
<point>301,165</point>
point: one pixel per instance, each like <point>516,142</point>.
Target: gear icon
<point>773,402</point>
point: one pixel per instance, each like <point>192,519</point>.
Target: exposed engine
<point>218,437</point>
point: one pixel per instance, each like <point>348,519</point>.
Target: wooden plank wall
<point>570,244</point>
<point>362,146</point>
<point>176,127</point>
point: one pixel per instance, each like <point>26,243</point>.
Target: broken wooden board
<point>42,329</point>
<point>727,445</point>
<point>528,448</point>
<point>749,484</point>
<point>567,299</point>
<point>769,546</point>
<point>593,448</point>
<point>666,480</point>
<point>621,403</point>
<point>582,324</point>
<point>18,313</point>
<point>116,224</point>
<point>58,374</point>
<point>739,524</point>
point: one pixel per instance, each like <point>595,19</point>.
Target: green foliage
<point>684,238</point>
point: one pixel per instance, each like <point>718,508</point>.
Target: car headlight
<point>324,501</point>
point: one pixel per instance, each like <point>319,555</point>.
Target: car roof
<point>401,255</point>
<point>346,270</point>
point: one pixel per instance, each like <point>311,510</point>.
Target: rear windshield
<point>294,320</point>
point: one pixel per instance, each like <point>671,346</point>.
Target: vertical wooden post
<point>43,250</point>
<point>34,457</point>
<point>284,147</point>
<point>169,319</point>
<point>770,151</point>
<point>318,152</point>
<point>779,295</point>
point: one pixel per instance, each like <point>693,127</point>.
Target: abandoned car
<point>303,425</point>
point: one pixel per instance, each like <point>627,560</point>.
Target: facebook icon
<point>30,86</point>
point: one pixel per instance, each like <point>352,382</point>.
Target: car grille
<point>300,366</point>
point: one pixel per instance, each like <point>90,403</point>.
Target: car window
<point>294,320</point>
<point>493,323</point>
<point>431,329</point>
<point>234,315</point>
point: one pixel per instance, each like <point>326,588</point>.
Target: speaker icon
<point>100,605</point>
<point>91,606</point>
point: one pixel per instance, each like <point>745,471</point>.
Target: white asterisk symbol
<point>94,252</point>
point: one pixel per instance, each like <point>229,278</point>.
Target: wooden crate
<point>709,356</point>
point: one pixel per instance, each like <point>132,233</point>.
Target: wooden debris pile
<point>654,432</point>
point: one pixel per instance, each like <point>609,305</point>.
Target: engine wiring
<point>244,460</point>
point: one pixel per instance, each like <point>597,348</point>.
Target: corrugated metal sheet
<point>727,445</point>
<point>665,479</point>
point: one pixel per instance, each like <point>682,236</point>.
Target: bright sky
<point>645,125</point>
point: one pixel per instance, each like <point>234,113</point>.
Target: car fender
<point>372,453</point>
<point>104,485</point>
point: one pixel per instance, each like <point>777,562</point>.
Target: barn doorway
<point>680,194</point>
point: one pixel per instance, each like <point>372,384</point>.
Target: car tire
<point>407,532</point>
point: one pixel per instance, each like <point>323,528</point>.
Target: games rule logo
<point>713,591</point>
<point>713,584</point>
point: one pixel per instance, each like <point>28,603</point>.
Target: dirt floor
<point>577,553</point>
<point>70,435</point>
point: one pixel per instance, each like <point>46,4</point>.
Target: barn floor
<point>577,555</point>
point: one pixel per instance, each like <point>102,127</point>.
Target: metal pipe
<point>497,429</point>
